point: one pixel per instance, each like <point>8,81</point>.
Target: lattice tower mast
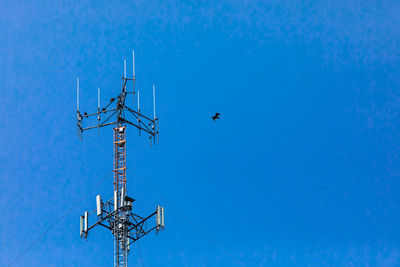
<point>116,214</point>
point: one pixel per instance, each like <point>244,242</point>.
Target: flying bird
<point>216,116</point>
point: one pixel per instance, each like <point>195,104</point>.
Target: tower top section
<point>117,112</point>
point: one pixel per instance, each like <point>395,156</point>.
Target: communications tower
<point>117,214</point>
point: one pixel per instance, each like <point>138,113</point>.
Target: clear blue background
<point>302,169</point>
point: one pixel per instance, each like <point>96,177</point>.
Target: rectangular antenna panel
<point>115,200</point>
<point>122,197</point>
<point>158,217</point>
<point>81,225</point>
<point>162,217</point>
<point>85,228</point>
<point>98,205</point>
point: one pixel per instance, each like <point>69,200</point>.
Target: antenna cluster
<point>116,111</point>
<point>117,213</point>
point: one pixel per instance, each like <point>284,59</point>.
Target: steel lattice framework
<point>120,233</point>
<point>116,214</point>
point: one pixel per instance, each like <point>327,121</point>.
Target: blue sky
<point>302,169</point>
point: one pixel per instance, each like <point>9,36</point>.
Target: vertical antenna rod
<point>98,99</point>
<point>133,74</point>
<point>78,115</point>
<point>154,100</point>
<point>98,109</point>
<point>155,121</point>
<point>77,94</point>
<point>138,108</point>
<point>133,64</point>
<point>124,68</point>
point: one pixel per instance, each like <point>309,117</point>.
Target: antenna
<point>117,214</point>
<point>154,100</point>
<point>98,110</point>
<point>155,125</point>
<point>133,64</point>
<point>77,94</point>
<point>98,99</point>
<point>78,115</point>
<point>138,107</point>
<point>124,68</point>
<point>133,74</point>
